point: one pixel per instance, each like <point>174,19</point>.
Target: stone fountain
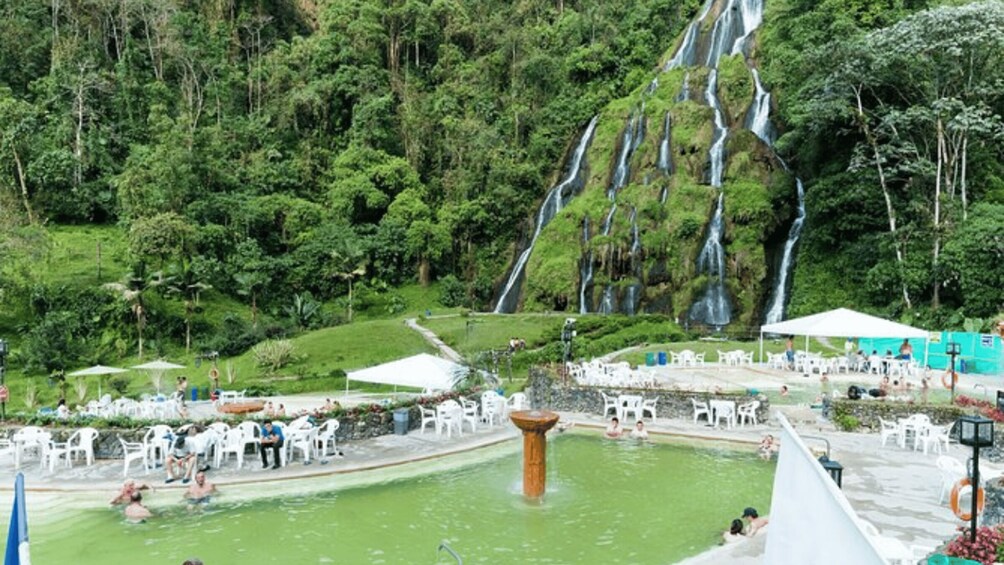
<point>534,424</point>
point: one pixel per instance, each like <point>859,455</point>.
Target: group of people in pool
<point>747,526</point>
<point>615,431</point>
<point>131,497</point>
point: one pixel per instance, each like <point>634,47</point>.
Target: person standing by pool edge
<point>789,353</point>
<point>271,436</point>
<point>906,350</point>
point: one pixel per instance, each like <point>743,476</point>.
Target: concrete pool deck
<point>895,489</point>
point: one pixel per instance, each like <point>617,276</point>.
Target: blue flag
<point>17,536</point>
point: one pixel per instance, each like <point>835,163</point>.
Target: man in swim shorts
<point>200,491</point>
<point>135,511</point>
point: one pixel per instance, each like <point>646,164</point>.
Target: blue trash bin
<point>650,359</point>
<point>401,421</point>
<point>662,357</point>
<point>962,365</point>
<point>195,393</point>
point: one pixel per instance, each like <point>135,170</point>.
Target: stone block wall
<point>544,391</point>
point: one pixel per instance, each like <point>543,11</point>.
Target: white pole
<point>346,384</point>
<point>761,346</point>
<point>806,344</point>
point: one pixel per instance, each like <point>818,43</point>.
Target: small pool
<point>607,502</point>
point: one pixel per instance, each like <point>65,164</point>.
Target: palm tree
<point>349,263</point>
<point>131,289</point>
<point>184,281</point>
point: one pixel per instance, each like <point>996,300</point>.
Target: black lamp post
<point>4,350</point>
<point>567,333</point>
<point>952,350</point>
<point>978,432</point>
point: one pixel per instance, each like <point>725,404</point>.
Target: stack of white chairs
<point>232,443</point>
<point>492,407</point>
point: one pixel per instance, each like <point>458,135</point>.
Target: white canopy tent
<point>423,371</point>
<point>100,371</point>
<point>843,322</point>
<point>157,369</point>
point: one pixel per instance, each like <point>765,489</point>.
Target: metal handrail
<point>443,545</point>
<point>823,439</point>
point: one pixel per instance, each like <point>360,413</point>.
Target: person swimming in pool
<point>200,491</point>
<point>135,511</point>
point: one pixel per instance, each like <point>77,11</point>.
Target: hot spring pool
<point>607,502</point>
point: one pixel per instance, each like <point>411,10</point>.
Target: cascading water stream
<point>634,134</point>
<point>775,312</point>
<point>585,272</point>
<point>685,89</point>
<point>713,308</point>
<point>758,118</point>
<point>665,162</point>
<point>555,200</point>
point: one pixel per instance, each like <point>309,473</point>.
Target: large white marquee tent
<point>423,371</point>
<point>843,322</point>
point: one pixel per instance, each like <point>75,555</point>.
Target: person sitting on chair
<point>181,459</point>
<point>271,437</point>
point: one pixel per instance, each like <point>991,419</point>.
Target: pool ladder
<point>443,545</point>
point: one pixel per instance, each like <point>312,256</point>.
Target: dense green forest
<point>258,158</point>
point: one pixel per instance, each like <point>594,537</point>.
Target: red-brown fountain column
<point>534,424</point>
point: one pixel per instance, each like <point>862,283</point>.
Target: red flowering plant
<point>984,406</point>
<point>988,548</point>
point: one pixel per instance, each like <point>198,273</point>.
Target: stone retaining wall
<point>868,412</point>
<point>544,391</point>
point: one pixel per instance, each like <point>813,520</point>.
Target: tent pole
<point>806,344</point>
<point>346,385</point>
<point>927,344</point>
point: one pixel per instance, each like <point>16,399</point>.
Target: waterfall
<point>664,195</point>
<point>738,19</point>
<point>685,90</point>
<point>555,200</point>
<point>721,131</point>
<point>665,161</point>
<point>758,117</point>
<point>652,86</point>
<point>623,170</point>
<point>713,308</point>
<point>585,272</point>
<point>686,55</point>
<point>778,298</point>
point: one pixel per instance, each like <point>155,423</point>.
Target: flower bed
<point>988,548</point>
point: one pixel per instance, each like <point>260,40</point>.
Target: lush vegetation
<point>895,120</point>
<point>194,176</point>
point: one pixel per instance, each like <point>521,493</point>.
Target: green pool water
<point>607,502</point>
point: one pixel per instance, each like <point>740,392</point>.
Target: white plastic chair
<point>701,409</point>
<point>928,435</point>
<point>82,441</point>
<point>491,407</point>
<point>448,415</point>
<point>632,405</point>
<point>747,412</point>
<point>725,412</point>
<point>302,439</point>
<point>233,442</point>
<point>517,401</point>
<point>251,432</point>
<point>609,403</point>
<point>951,471</point>
<point>470,413</point>
<point>648,405</point>
<point>221,427</point>
<point>52,452</point>
<point>133,451</point>
<point>429,417</point>
<point>889,430</point>
<point>326,435</point>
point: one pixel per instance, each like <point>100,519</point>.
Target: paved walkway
<point>432,338</point>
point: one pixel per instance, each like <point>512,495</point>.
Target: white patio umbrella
<point>100,371</point>
<point>157,369</point>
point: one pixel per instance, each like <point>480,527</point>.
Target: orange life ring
<point>957,493</point>
<point>954,379</point>
<point>214,374</point>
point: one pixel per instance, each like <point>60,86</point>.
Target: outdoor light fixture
<point>567,333</point>
<point>978,432</point>
<point>834,468</point>
<point>953,350</point>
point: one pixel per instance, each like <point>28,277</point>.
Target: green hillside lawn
<point>323,354</point>
<point>471,335</point>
